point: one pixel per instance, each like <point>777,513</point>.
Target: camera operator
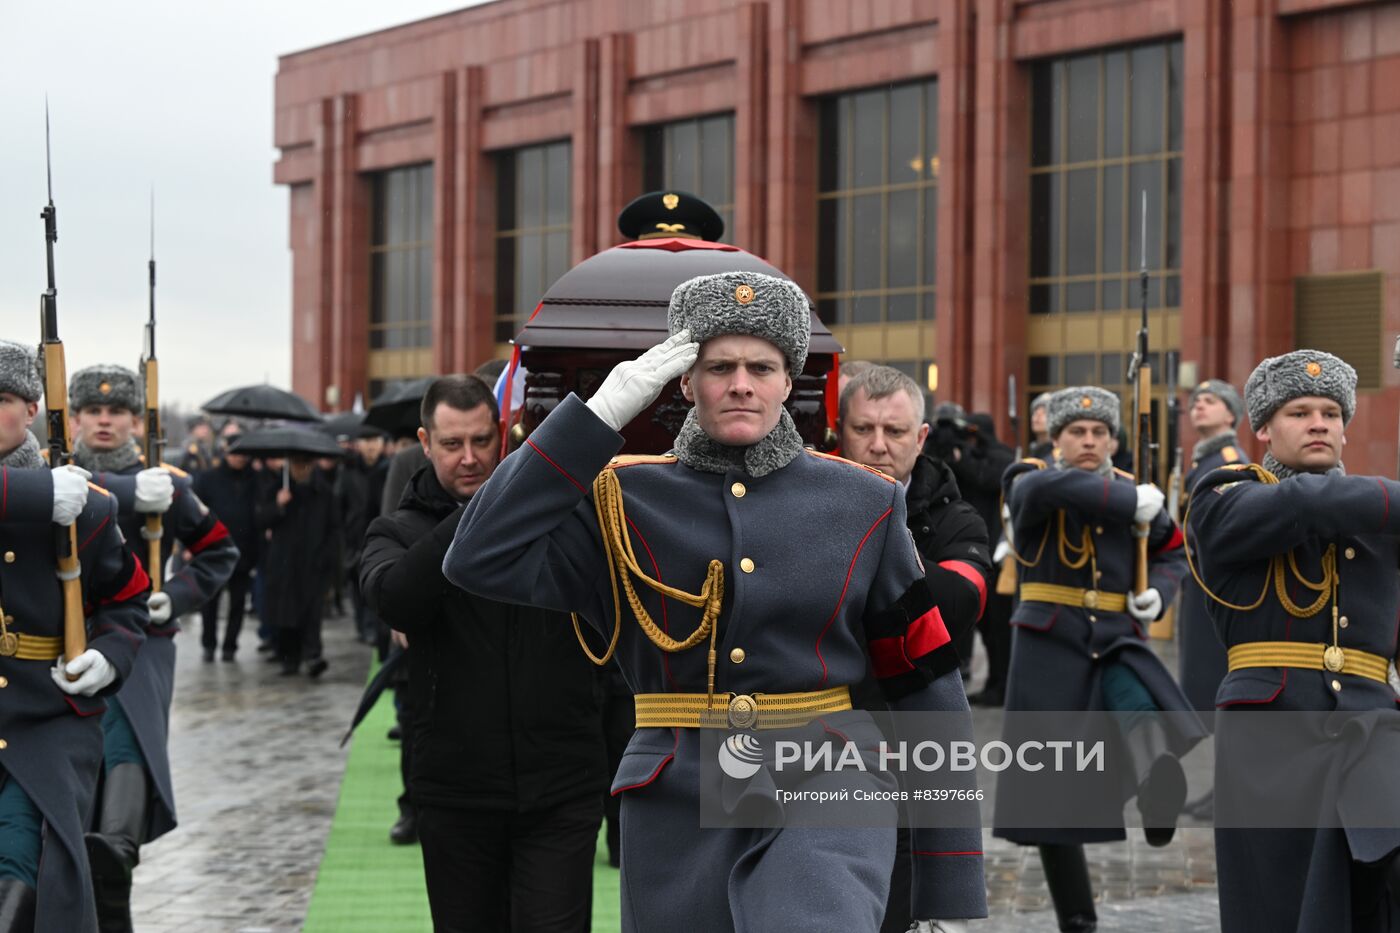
<point>969,445</point>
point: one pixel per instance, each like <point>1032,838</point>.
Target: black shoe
<point>991,697</point>
<point>266,646</point>
<point>1067,877</point>
<point>1161,781</point>
<point>316,668</point>
<point>16,906</point>
<point>289,669</point>
<point>228,655</point>
<point>115,849</point>
<point>395,734</point>
<point>405,831</point>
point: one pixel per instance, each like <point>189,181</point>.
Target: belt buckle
<point>1091,599</point>
<point>1334,659</point>
<point>743,711</point>
<point>9,644</point>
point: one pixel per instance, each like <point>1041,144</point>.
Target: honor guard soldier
<point>1081,633</point>
<point>1299,562</point>
<point>137,802</point>
<point>806,577</point>
<point>50,733</point>
<point>1216,411</point>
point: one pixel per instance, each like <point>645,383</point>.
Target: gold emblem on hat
<point>1086,402</point>
<point>670,200</point>
<point>743,294</point>
<point>105,388</point>
<point>1314,369</point>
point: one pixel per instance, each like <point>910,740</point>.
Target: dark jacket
<point>302,550</point>
<point>358,490</point>
<point>232,495</point>
<point>979,470</point>
<point>952,540</point>
<point>505,716</point>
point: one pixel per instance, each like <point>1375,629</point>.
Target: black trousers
<point>619,722</point>
<point>490,871</point>
<point>237,589</point>
<point>996,638</point>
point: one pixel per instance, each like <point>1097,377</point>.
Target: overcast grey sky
<point>178,95</point>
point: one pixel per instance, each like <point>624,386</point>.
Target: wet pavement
<point>257,772</point>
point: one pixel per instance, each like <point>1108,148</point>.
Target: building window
<point>401,259</point>
<point>532,230</point>
<point>695,156</point>
<point>1105,128</point>
<point>877,206</point>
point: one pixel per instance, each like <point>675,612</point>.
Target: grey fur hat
<point>1223,391</point>
<point>1041,401</point>
<point>105,384</point>
<point>19,371</point>
<point>1078,403</point>
<point>1300,374</point>
<point>751,303</point>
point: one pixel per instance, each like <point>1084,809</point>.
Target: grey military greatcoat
<point>146,695</point>
<point>821,582</point>
<point>52,742</point>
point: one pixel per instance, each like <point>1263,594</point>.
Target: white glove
<point>158,605</point>
<point>635,384</point>
<point>155,490</point>
<point>1149,503</point>
<point>938,926</point>
<point>70,492</point>
<point>1145,606</point>
<point>97,672</point>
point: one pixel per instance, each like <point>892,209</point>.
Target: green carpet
<point>365,882</point>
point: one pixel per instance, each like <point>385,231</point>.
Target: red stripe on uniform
<point>215,535</point>
<point>887,657</point>
<point>926,633</point>
<point>556,466</point>
<point>837,611</point>
<point>964,569</point>
<point>137,583</point>
<point>1174,542</point>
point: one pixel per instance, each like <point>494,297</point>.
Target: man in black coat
<point>882,426</point>
<point>230,489</point>
<point>507,764</point>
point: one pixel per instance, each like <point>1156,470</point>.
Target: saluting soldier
<point>1216,410</point>
<point>806,575</point>
<point>1081,633</point>
<point>1299,562</point>
<point>50,738</point>
<point>137,802</point>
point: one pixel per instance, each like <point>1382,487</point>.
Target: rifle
<point>153,443</point>
<point>56,420</point>
<point>1140,375</point>
<point>1173,439</point>
<point>1006,579</point>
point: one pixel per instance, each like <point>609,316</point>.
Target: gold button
<point>1094,655</point>
<point>4,745</point>
<point>4,682</point>
<point>1336,685</point>
<point>9,557</point>
<point>1098,530</point>
<point>738,490</point>
<point>737,655</point>
<point>1343,622</point>
<point>1093,618</point>
<point>746,565</point>
<point>1351,553</point>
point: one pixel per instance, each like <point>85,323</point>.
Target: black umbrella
<point>373,690</point>
<point>263,401</point>
<point>286,442</point>
<point>350,424</point>
<point>396,411</point>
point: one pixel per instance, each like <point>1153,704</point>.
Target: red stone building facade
<point>956,182</point>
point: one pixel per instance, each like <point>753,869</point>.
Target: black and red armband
<point>909,645</point>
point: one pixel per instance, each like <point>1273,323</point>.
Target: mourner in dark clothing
<point>51,751</point>
<point>507,763</point>
<point>231,492</point>
<point>1081,636</point>
<point>300,559</point>
<point>137,801</point>
<point>359,491</point>
<point>1298,564</point>
<point>882,426</point>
